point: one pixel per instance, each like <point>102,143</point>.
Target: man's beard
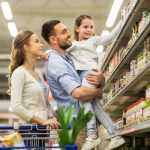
<point>65,46</point>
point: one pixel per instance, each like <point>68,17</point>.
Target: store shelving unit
<point>134,13</point>
<point>137,83</point>
<point>127,56</point>
<point>127,95</point>
<point>141,127</point>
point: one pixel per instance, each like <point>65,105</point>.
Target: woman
<point>28,90</point>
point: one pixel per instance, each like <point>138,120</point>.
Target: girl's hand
<point>44,57</point>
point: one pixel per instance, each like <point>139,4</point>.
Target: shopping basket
<point>30,137</point>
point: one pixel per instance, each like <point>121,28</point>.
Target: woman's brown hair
<point>17,56</point>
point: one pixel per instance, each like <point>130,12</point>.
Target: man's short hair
<point>48,29</point>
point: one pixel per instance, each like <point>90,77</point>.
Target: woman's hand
<point>96,77</point>
<point>53,123</point>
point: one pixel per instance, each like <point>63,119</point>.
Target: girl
<point>85,58</point>
<point>28,90</point>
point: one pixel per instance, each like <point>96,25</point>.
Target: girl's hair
<point>78,22</point>
<point>17,56</point>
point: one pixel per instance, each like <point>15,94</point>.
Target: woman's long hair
<point>17,56</point>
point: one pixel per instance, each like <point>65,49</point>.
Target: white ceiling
<point>30,14</point>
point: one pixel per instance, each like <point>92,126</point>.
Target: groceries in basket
<point>14,140</point>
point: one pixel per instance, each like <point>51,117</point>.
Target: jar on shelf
<point>147,92</point>
<point>124,117</point>
<point>133,64</point>
<point>145,17</point>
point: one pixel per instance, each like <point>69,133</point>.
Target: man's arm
<point>84,93</point>
<point>71,84</point>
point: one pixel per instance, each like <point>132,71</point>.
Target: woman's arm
<point>17,85</point>
<point>49,122</point>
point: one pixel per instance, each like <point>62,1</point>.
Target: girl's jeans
<point>96,108</point>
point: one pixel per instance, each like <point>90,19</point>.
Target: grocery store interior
<point>125,63</point>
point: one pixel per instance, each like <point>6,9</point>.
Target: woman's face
<point>86,29</point>
<point>35,47</point>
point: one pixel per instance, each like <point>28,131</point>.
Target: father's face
<point>63,36</point>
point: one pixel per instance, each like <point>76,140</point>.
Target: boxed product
<point>12,140</point>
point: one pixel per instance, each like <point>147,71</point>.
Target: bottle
<point>124,117</point>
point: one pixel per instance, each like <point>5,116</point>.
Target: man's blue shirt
<point>62,79</point>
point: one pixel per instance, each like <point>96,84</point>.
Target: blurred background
<point>16,15</point>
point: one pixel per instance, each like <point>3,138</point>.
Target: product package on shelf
<point>147,45</point>
<point>147,91</point>
<point>126,9</point>
<point>135,113</point>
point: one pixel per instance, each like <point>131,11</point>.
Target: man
<point>63,79</point>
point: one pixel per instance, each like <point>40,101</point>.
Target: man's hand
<point>96,77</point>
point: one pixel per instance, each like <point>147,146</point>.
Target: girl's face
<point>35,47</point>
<point>86,29</point>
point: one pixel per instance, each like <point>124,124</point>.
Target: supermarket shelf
<point>133,87</point>
<point>141,127</point>
<point>126,25</point>
<point>129,53</point>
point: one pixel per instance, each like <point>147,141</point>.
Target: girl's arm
<point>107,39</point>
